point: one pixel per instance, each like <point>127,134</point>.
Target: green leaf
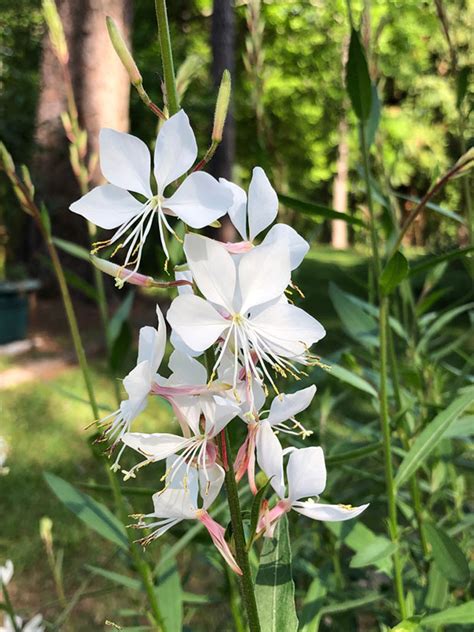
<point>313,209</point>
<point>121,346</point>
<point>394,272</point>
<point>431,262</point>
<point>45,220</point>
<point>312,604</point>
<point>429,438</point>
<point>461,85</point>
<point>362,327</point>
<point>275,590</point>
<point>359,85</point>
<point>358,537</point>
<point>458,615</point>
<point>255,510</point>
<point>374,118</point>
<point>437,593</point>
<point>94,514</point>
<point>72,249</point>
<point>117,578</point>
<point>440,322</point>
<point>461,428</point>
<point>170,595</point>
<point>433,207</point>
<point>447,555</point>
<point>351,455</point>
<point>120,316</point>
<point>378,549</point>
<point>350,378</point>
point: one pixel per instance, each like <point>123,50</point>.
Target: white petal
<point>175,150</point>
<point>288,329</point>
<point>212,268</point>
<point>184,275</point>
<point>107,206</point>
<point>286,406</point>
<point>125,161</point>
<point>173,503</point>
<point>238,210</point>
<point>6,572</point>
<point>186,370</point>
<point>297,246</point>
<point>218,411</point>
<point>264,274</point>
<point>195,321</point>
<point>306,473</point>
<point>328,513</point>
<point>212,485</point>
<point>262,203</point>
<point>138,382</point>
<point>155,446</point>
<point>270,457</point>
<point>152,343</point>
<point>200,200</point>
<point>178,343</point>
<point>190,409</point>
<point>34,625</point>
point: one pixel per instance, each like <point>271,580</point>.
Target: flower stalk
<point>172,99</point>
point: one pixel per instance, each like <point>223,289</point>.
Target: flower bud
<point>46,531</point>
<point>123,52</point>
<point>56,31</point>
<point>222,107</point>
<point>120,273</point>
<point>6,161</point>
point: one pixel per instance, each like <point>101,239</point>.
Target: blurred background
<point>290,115</point>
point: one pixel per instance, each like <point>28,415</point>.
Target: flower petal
<point>264,274</point>
<point>186,370</point>
<point>173,503</point>
<point>262,203</point>
<point>270,457</point>
<point>156,446</point>
<point>212,268</point>
<point>288,329</point>
<point>195,321</point>
<point>152,344</point>
<point>210,485</point>
<point>175,150</point>
<point>328,513</point>
<point>125,161</point>
<point>200,200</point>
<point>306,473</point>
<point>285,406</point>
<point>238,210</point>
<point>297,246</point>
<point>138,382</point>
<point>107,206</point>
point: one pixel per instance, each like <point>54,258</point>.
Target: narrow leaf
<point>116,578</point>
<point>359,85</point>
<point>351,378</point>
<point>429,438</point>
<point>378,549</point>
<point>94,514</point>
<point>394,272</point>
<point>437,593</point>
<point>357,536</point>
<point>360,325</point>
<point>120,316</point>
<point>458,615</point>
<point>461,87</point>
<point>72,249</point>
<point>170,596</point>
<point>431,262</point>
<point>313,209</point>
<point>255,510</point>
<point>447,555</point>
<point>374,118</point>
<point>275,590</point>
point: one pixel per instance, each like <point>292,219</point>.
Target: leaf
<point>394,272</point>
<point>313,209</point>
<point>72,249</point>
<point>429,438</point>
<point>358,537</point>
<point>408,625</point>
<point>433,207</point>
<point>374,118</point>
<point>359,85</point>
<point>358,324</point>
<point>170,595</point>
<point>312,604</point>
<point>94,514</point>
<point>378,549</point>
<point>461,428</point>
<point>461,85</point>
<point>350,378</point>
<point>117,578</point>
<point>351,455</point>
<point>121,346</point>
<point>255,510</point>
<point>427,264</point>
<point>458,615</point>
<point>447,555</point>
<point>275,590</point>
<point>437,592</point>
<point>120,316</point>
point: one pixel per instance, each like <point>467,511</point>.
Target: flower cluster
<point>234,329</point>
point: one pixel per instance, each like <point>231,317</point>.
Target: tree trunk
<point>339,238</point>
<point>223,57</point>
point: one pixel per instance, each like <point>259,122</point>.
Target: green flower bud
<point>56,31</point>
<point>123,52</point>
<point>222,107</point>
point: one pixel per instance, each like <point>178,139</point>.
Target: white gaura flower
<point>253,214</point>
<point>283,409</point>
<point>180,500</point>
<point>125,163</point>
<point>33,625</point>
<point>306,477</point>
<point>244,307</point>
<point>6,573</point>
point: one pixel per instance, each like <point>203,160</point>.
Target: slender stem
<point>370,204</point>
<point>172,100</point>
<point>9,607</point>
<point>248,593</point>
<point>386,436</point>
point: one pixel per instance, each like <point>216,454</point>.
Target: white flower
<point>6,573</point>
<point>125,162</point>
<point>244,306</point>
<point>253,215</point>
<point>33,625</point>
<point>179,500</point>
<point>306,476</point>
<point>4,449</point>
<point>283,408</point>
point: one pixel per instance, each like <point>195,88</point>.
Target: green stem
<point>248,593</point>
<point>370,204</point>
<point>172,100</point>
<point>9,608</point>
